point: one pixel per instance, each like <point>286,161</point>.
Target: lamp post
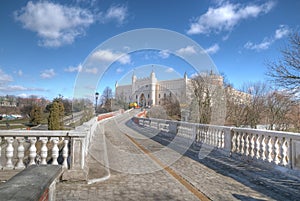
<point>96,97</point>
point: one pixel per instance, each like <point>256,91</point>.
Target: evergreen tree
<point>55,119</point>
<point>36,114</point>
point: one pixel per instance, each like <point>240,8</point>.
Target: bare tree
<point>236,102</point>
<point>121,102</point>
<point>278,106</point>
<point>207,104</point>
<point>286,72</point>
<point>106,99</point>
<point>172,106</point>
<point>294,116</point>
<point>255,107</point>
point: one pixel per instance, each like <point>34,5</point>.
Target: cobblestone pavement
<point>136,176</point>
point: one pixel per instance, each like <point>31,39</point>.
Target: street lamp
<point>96,97</point>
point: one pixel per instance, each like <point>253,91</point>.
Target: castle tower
<point>134,78</point>
<point>153,87</point>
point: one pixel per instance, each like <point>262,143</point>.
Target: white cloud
<point>91,70</point>
<point>23,95</point>
<point>109,56</point>
<point>212,49</point>
<point>4,78</point>
<point>55,24</point>
<point>48,73</point>
<point>20,72</point>
<point>169,70</point>
<point>265,44</point>
<point>72,69</point>
<point>125,59</point>
<point>116,12</point>
<point>120,70</point>
<point>80,68</point>
<point>226,16</point>
<point>282,31</point>
<point>12,88</point>
<point>164,54</point>
<point>188,50</point>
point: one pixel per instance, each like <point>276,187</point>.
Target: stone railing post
<point>294,154</point>
<point>228,135</point>
<point>78,170</point>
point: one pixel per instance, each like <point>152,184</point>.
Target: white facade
<point>149,91</point>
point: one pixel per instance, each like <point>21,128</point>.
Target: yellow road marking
<point>186,184</point>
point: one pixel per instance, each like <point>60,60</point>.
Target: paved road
<point>137,168</point>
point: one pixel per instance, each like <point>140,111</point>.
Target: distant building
<point>150,91</point>
<point>8,101</point>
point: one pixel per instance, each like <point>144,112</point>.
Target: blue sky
<point>45,44</point>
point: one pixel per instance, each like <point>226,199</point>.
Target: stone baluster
<point>32,150</point>
<point>55,151</point>
<point>238,142</point>
<point>223,139</point>
<point>207,136</point>
<point>215,141</point>
<point>213,137</point>
<point>44,151</point>
<point>263,148</point>
<point>258,147</point>
<point>270,149</point>
<point>252,146</point>
<point>219,139</point>
<point>247,144</point>
<point>21,152</point>
<point>242,143</point>
<point>9,153</point>
<point>284,150</point>
<point>277,154</point>
<point>197,135</point>
<point>201,134</point>
<point>65,154</point>
<point>234,142</point>
<point>209,131</point>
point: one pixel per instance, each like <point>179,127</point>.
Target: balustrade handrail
<point>39,133</point>
<point>269,146</point>
<point>267,132</point>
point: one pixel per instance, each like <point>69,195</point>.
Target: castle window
<point>148,96</point>
<point>158,95</point>
<point>165,95</point>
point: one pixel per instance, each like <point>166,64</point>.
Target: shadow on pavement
<point>270,182</point>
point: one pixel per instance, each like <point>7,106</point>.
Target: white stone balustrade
<point>271,147</point>
<point>19,149</point>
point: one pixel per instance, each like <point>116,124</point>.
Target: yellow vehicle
<point>133,105</point>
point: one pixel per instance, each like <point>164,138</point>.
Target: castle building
<point>150,91</point>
